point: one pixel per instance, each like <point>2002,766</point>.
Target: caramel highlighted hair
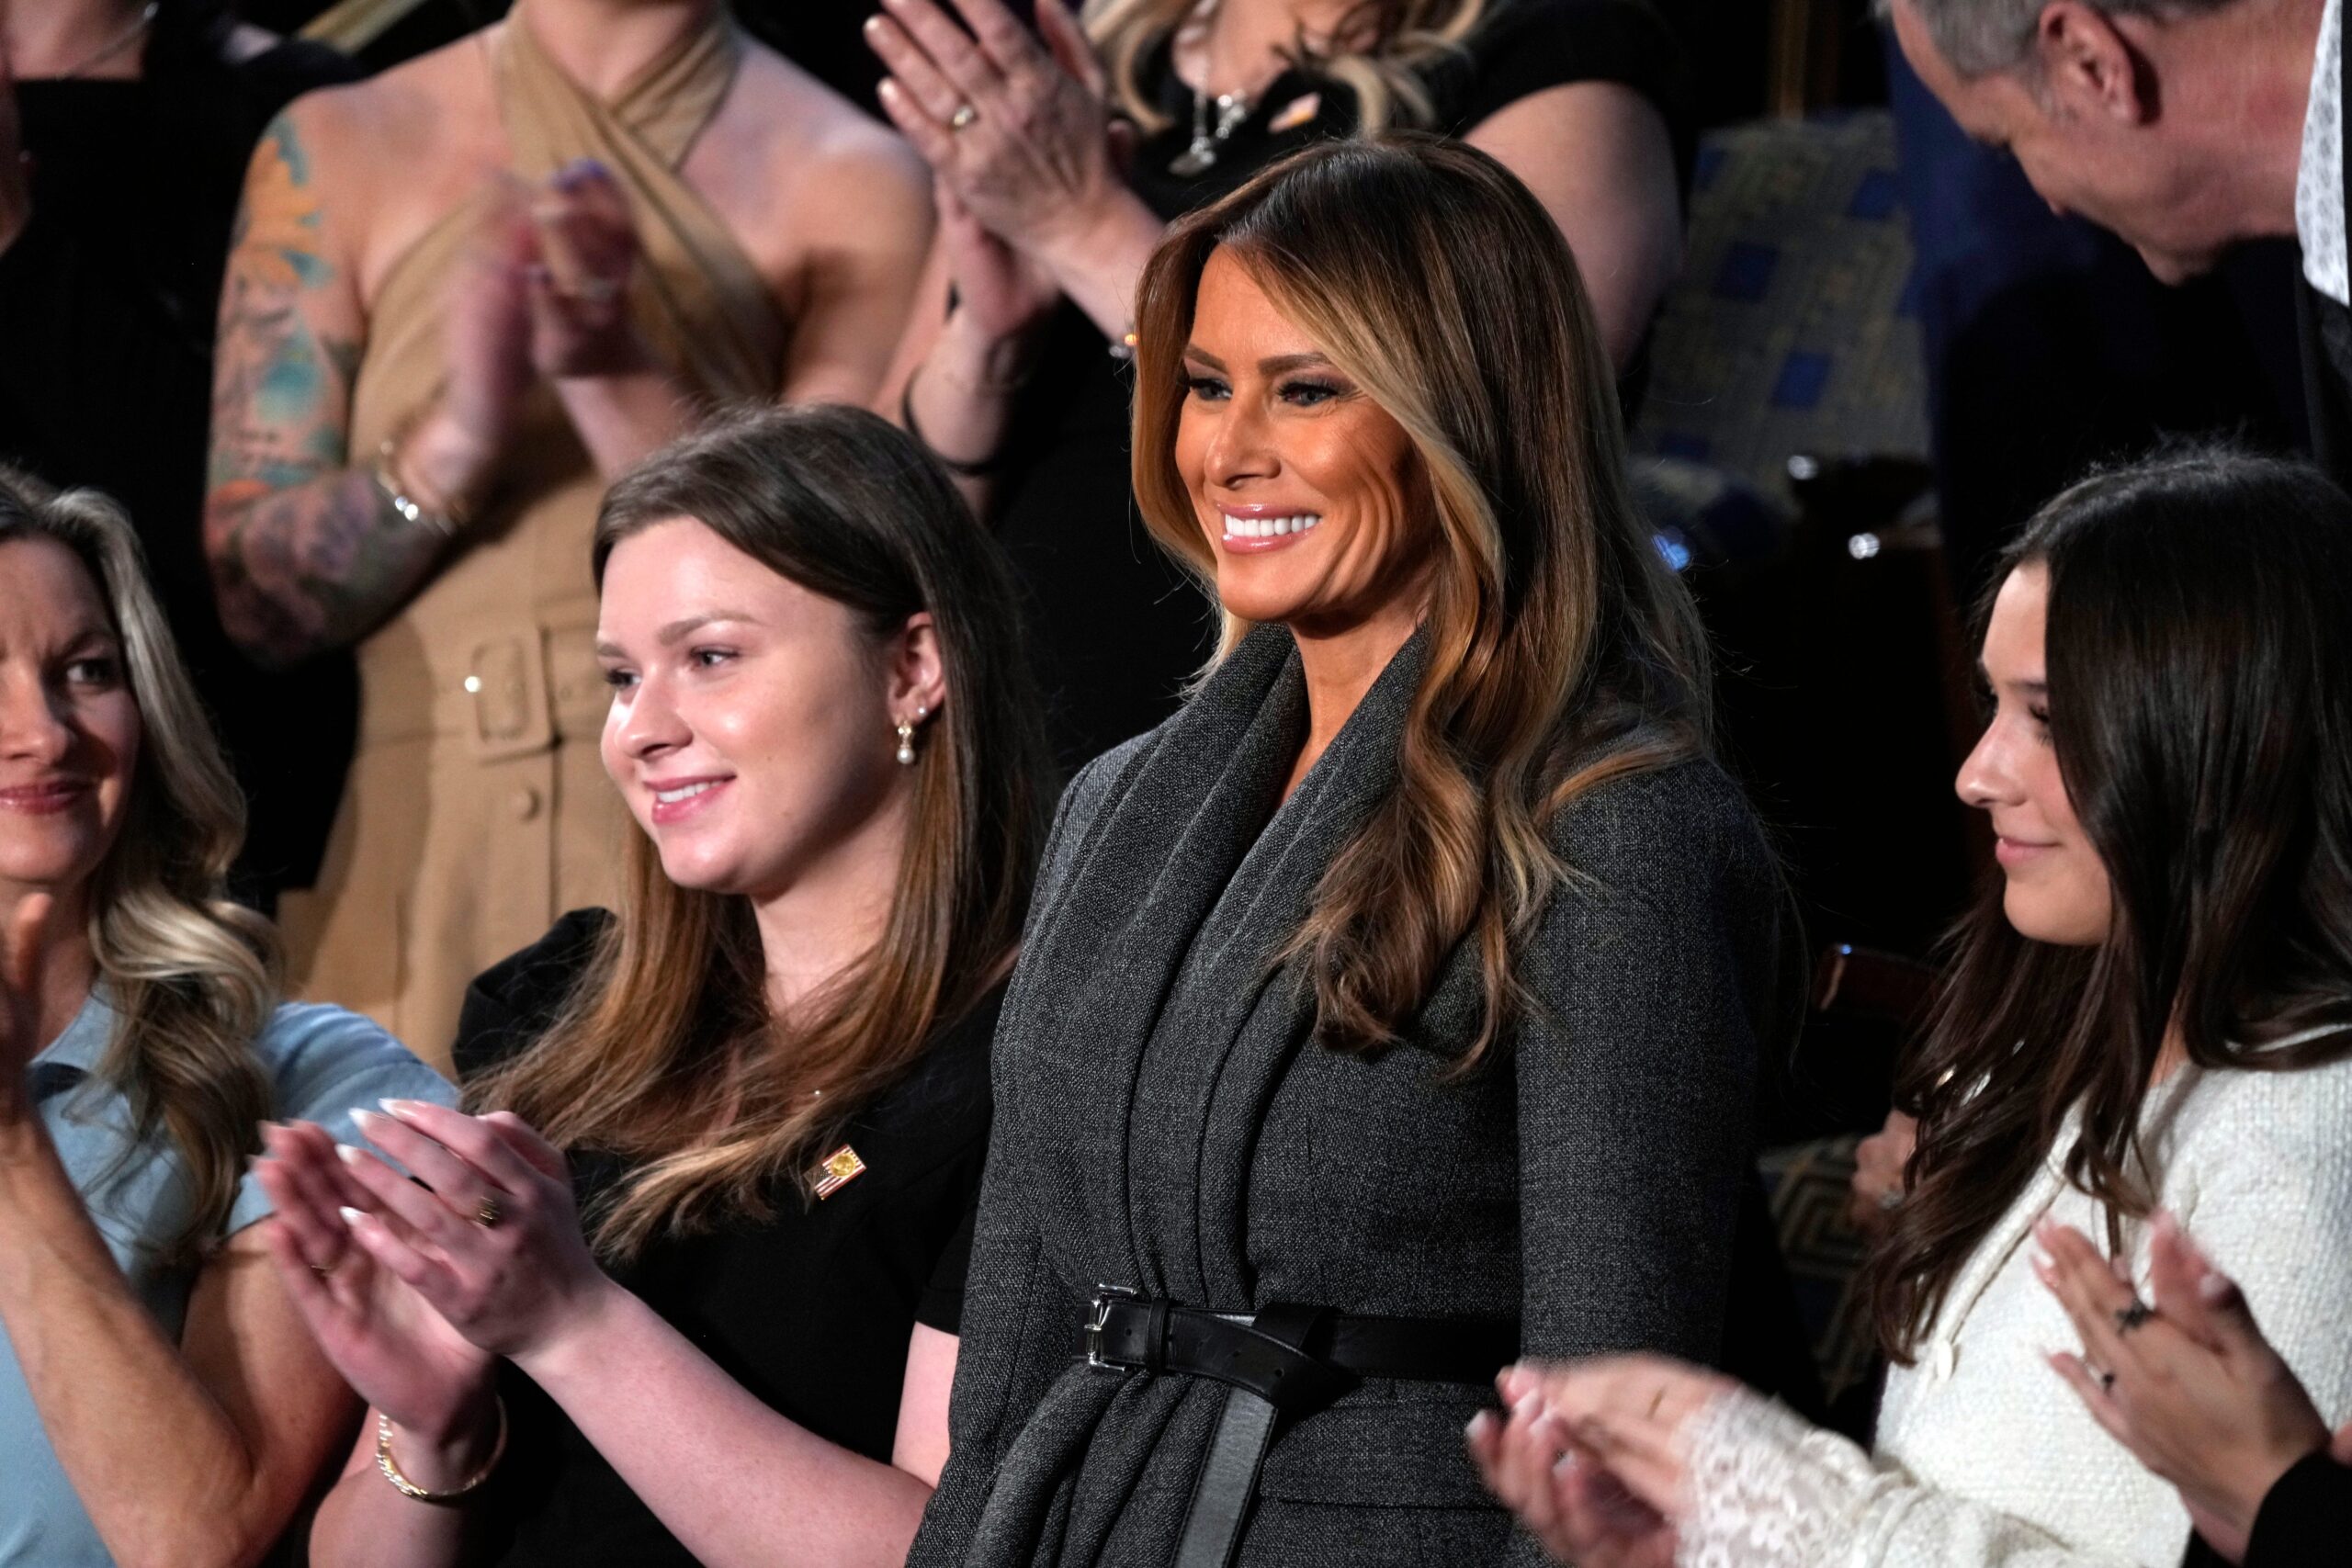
<point>1561,652</point>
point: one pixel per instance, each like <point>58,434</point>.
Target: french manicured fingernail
<point>1476,1429</point>
<point>403,1108</point>
<point>1529,1402</point>
<point>363,1119</point>
<point>347,1154</point>
<point>351,1216</point>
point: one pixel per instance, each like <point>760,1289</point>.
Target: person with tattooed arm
<point>135,123</point>
<point>463,295</point>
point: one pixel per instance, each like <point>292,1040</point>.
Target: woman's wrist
<point>443,1455</point>
<point>573,1339</point>
<point>439,463</point>
<point>24,1142</point>
<point>1114,231</point>
<point>2238,1502</point>
<point>976,361</point>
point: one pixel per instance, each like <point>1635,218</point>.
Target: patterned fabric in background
<point>1810,1187</point>
<point>1792,328</point>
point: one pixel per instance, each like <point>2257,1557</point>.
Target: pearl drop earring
<point>906,743</point>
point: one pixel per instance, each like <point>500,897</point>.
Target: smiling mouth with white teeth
<point>686,791</point>
<point>1269,527</point>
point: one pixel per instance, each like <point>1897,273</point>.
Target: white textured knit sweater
<point>1985,1456</point>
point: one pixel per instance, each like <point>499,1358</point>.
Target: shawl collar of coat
<point>1187,879</point>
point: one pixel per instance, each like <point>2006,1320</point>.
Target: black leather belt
<point>1286,1360</point>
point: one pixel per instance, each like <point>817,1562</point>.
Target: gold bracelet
<point>407,1488</point>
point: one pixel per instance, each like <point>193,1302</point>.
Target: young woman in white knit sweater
<point>2153,1008</point>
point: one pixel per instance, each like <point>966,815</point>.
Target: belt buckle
<point>1098,1318</point>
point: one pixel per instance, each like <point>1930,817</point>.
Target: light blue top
<point>322,1062</point>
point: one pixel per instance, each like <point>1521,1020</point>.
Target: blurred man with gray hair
<point>2185,126</point>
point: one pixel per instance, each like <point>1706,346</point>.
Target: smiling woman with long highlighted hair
<point>1397,1004</point>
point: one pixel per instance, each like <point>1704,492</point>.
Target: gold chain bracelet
<point>407,1488</point>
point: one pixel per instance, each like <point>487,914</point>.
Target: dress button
<point>526,801</point>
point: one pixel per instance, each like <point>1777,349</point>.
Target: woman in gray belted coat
<point>1406,991</point>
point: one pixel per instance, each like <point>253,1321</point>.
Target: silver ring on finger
<point>965,115</point>
<point>487,1213</point>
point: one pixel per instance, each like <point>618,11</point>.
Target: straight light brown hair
<point>1561,652</point>
<point>2199,666</point>
<point>193,978</point>
<point>667,1053</point>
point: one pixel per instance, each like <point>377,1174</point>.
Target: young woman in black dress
<point>768,1069</point>
<point>1045,227</point>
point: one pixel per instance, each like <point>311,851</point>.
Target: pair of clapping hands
<point>1592,1456</point>
<point>414,1288</point>
<point>541,290</point>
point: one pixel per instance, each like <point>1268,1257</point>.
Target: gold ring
<point>965,115</point>
<point>486,1215</point>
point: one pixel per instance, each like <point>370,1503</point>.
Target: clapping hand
<point>1880,1162</point>
<point>487,1235</point>
<point>1568,1499</point>
<point>387,1342</point>
<point>1017,129</point>
<point>2186,1381</point>
<point>487,347</point>
<point>585,248</point>
<point>1591,1458</point>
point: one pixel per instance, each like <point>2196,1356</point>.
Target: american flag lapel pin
<point>838,1170</point>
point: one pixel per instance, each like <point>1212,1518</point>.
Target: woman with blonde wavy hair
<point>159,1402</point>
<point>1059,159</point>
<point>1395,1006</point>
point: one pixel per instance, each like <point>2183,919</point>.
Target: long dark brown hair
<point>2199,665</point>
<point>667,1052</point>
<point>1561,650</point>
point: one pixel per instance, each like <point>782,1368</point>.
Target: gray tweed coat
<point>1162,1121</point>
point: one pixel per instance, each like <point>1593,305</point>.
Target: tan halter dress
<point>477,808</point>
